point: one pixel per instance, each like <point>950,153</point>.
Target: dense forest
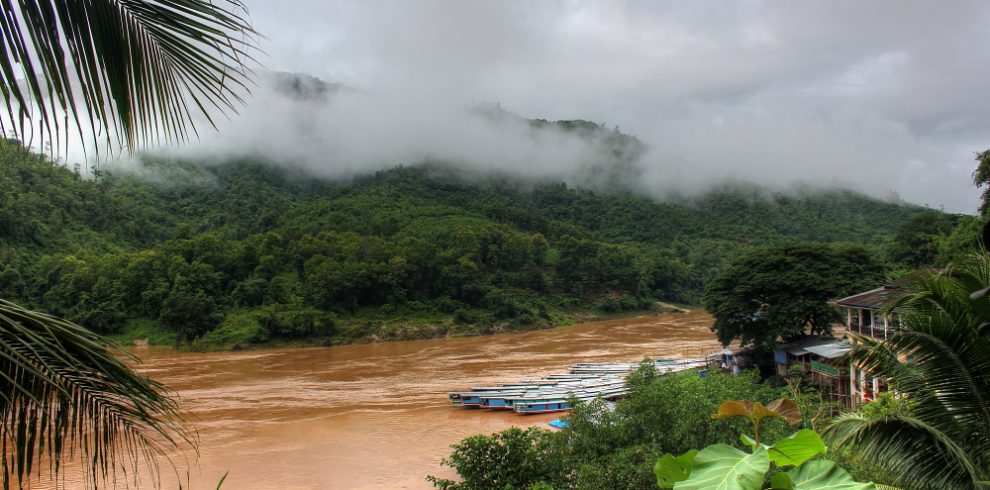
<point>248,252</point>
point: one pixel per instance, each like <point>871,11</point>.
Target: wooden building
<point>865,317</point>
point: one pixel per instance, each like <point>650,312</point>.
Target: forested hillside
<point>246,252</point>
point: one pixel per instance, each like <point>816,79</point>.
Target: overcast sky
<point>890,97</point>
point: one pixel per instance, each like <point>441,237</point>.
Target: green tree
<point>129,70</point>
<point>513,458</point>
<point>981,177</point>
<point>939,361</point>
<point>783,292</point>
<point>961,242</point>
<point>919,240</point>
<point>188,310</point>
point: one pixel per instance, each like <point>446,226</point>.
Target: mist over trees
<point>246,252</point>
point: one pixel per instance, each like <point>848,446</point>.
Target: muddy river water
<point>376,415</point>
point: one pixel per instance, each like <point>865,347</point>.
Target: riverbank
<point>262,328</point>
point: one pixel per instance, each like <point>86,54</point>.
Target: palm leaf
<point>66,393</point>
<point>940,360</point>
<point>134,70</point>
<point>920,455</point>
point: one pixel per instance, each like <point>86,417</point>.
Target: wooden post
<point>861,382</point>
<point>852,385</point>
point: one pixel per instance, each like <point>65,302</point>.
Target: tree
<point>130,70</point>
<point>939,362</point>
<point>779,292</point>
<point>981,177</point>
<point>919,240</point>
<point>513,458</point>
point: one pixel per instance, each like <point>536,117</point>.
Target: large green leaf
<point>780,481</point>
<point>796,449</point>
<point>723,467</point>
<point>670,469</point>
<point>822,474</point>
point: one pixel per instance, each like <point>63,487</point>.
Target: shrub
<point>513,458</point>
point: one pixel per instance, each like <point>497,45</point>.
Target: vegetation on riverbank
<point>245,253</point>
<point>600,448</point>
<point>927,432</point>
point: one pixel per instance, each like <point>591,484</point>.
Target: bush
<point>610,304</point>
<point>465,317</point>
<point>446,305</point>
<point>513,458</point>
<point>292,324</point>
<point>509,304</point>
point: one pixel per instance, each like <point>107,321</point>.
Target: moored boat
<point>584,382</point>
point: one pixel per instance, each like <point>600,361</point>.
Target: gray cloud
<point>886,97</point>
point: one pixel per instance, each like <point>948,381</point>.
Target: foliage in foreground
<point>66,393</point>
<point>940,363</point>
<point>126,72</point>
<point>787,464</point>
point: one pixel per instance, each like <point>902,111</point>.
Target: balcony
<point>826,369</point>
<point>877,332</point>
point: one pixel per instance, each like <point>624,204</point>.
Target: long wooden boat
<point>584,381</point>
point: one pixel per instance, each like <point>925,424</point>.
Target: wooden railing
<point>825,369</point>
<point>875,332</point>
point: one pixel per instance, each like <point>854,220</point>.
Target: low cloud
<point>334,131</point>
<point>885,97</point>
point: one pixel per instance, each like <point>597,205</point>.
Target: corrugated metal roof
<point>873,299</point>
<point>803,346</point>
<point>831,350</point>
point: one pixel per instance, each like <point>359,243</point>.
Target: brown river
<point>376,415</point>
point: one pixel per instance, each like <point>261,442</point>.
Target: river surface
<point>376,415</point>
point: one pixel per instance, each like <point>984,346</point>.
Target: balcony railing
<point>825,369</point>
<point>876,332</point>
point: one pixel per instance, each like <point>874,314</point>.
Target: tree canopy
<point>783,292</point>
<point>981,177</point>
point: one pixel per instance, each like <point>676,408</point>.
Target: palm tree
<point>133,70</point>
<point>129,72</point>
<point>940,360</point>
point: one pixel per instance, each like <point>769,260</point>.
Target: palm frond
<point>940,360</point>
<point>134,70</point>
<point>920,455</point>
<point>65,393</point>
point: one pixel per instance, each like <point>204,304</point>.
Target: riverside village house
<point>841,381</point>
